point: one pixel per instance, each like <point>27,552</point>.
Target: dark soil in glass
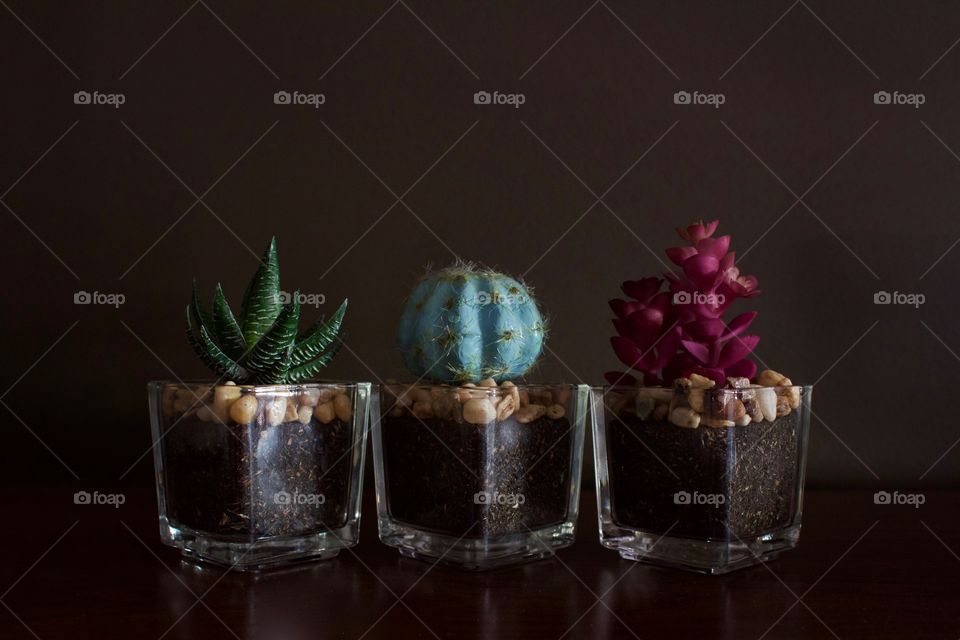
<point>257,481</point>
<point>491,480</point>
<point>754,468</point>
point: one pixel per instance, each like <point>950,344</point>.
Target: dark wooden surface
<point>861,571</point>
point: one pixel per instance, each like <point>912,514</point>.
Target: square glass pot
<point>256,476</point>
<point>708,480</point>
<point>479,477</point>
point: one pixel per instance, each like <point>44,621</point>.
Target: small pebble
<point>244,410</point>
<point>685,417</point>
<point>478,411</point>
<point>342,407</point>
<point>324,412</point>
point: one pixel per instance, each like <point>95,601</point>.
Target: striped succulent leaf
<point>262,346</point>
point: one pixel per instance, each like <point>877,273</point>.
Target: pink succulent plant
<point>664,335</point>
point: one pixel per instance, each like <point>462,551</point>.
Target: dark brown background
<point>399,99</point>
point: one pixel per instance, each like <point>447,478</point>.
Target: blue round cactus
<point>464,324</point>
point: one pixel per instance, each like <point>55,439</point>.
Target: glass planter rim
<point>631,387</point>
<point>265,388</point>
<point>446,385</point>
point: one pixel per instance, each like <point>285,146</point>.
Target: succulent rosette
<point>664,335</point>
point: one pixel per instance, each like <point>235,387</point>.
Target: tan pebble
<point>753,408</point>
<point>698,381</point>
<point>744,421</point>
<point>423,410</point>
<point>223,397</point>
<point>524,397</point>
<point>506,406</point>
<point>421,395</point>
<point>342,407</point>
<point>244,410</point>
<point>734,409</point>
<point>685,417</point>
<point>304,413</point>
<point>291,412</point>
<point>324,412</point>
<point>487,382</point>
<point>513,390</point>
<point>310,397</point>
<point>230,383</point>
<point>783,406</point>
<point>274,412</point>
<point>530,413</point>
<point>556,411</point>
<point>205,414</point>
<point>792,394</point>
<point>464,395</point>
<point>477,411</point>
<point>682,384</point>
<point>180,406</point>
<point>396,411</point>
<point>770,378</point>
<point>695,399</point>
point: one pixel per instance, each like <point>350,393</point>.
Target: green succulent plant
<point>262,345</point>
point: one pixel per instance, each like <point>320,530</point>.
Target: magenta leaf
<point>737,349</point>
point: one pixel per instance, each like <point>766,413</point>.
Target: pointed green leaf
<point>311,369</point>
<point>270,358</point>
<point>261,301</point>
<point>317,338</point>
<point>211,355</point>
<point>199,313</point>
<point>226,326</point>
